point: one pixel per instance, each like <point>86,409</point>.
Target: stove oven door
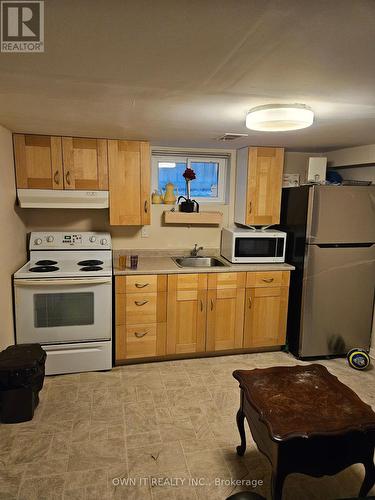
<point>52,311</point>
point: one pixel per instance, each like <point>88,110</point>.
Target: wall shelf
<point>212,218</point>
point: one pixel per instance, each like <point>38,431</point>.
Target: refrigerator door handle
<point>345,245</point>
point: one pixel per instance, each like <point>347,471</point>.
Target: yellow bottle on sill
<point>169,197</point>
<point>157,198</point>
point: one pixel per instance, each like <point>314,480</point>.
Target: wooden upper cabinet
<point>38,162</point>
<point>85,163</point>
<point>45,162</point>
<point>129,182</point>
<point>258,185</point>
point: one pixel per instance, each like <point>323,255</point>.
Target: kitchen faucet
<point>196,249</point>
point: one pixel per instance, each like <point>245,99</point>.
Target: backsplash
<point>160,235</point>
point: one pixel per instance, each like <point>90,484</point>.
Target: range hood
<point>65,198</point>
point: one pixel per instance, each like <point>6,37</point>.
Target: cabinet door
<point>38,161</point>
<point>129,183</point>
<point>264,184</point>
<point>186,313</point>
<point>265,316</point>
<point>85,163</point>
<point>225,319</point>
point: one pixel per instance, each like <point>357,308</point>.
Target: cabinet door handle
<point>139,335</point>
<point>250,302</point>
<point>146,207</point>
<point>212,305</point>
<point>141,285</point>
<point>201,305</point>
<point>250,207</point>
<point>67,178</point>
<point>267,280</point>
<point>56,177</point>
<point>140,302</point>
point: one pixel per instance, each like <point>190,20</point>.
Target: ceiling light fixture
<point>279,117</point>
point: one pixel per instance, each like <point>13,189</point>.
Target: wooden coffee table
<point>303,419</point>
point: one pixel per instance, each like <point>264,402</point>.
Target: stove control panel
<point>70,241</point>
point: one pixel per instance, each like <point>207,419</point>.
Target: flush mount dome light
<point>279,117</point>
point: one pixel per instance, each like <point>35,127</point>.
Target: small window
<point>209,184</point>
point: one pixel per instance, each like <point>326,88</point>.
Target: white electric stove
<point>63,300</point>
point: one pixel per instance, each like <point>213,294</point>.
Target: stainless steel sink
<point>198,262</point>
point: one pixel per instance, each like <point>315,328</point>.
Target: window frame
<point>222,173</point>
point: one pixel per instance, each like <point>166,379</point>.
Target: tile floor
<point>169,421</point>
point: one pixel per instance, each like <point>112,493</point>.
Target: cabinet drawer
<point>141,308</point>
<point>181,282</point>
<point>145,308</point>
<point>141,284</point>
<point>226,280</point>
<point>267,279</point>
<point>143,341</point>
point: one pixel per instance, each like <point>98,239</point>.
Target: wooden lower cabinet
<point>140,316</point>
<point>225,311</point>
<point>266,311</point>
<point>186,306</point>
<point>158,315</point>
<point>225,319</point>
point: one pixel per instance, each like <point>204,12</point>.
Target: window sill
<point>198,218</point>
<point>201,203</point>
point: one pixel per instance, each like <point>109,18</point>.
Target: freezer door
<point>337,300</point>
<point>341,214</point>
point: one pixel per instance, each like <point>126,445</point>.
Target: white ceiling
<point>183,72</point>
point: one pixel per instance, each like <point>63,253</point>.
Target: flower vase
<point>188,189</point>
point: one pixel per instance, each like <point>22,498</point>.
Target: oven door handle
<point>61,282</point>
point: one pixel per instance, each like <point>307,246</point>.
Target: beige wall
<point>13,244</point>
<point>297,163</point>
<point>160,235</point>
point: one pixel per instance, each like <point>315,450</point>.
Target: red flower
<point>189,174</point>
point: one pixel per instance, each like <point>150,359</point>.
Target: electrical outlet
<point>145,232</point>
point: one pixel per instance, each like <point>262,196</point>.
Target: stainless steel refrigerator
<point>331,242</point>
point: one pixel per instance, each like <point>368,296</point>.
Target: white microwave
<point>246,246</point>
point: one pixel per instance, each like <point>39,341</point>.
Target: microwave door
<point>62,310</point>
<point>259,249</point>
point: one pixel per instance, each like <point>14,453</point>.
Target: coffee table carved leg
<point>241,429</point>
<point>369,479</point>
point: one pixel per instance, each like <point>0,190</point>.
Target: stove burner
<point>90,262</point>
<point>43,269</point>
<point>91,268</point>
<point>45,263</point>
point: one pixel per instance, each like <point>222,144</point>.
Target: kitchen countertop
<point>163,264</point>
